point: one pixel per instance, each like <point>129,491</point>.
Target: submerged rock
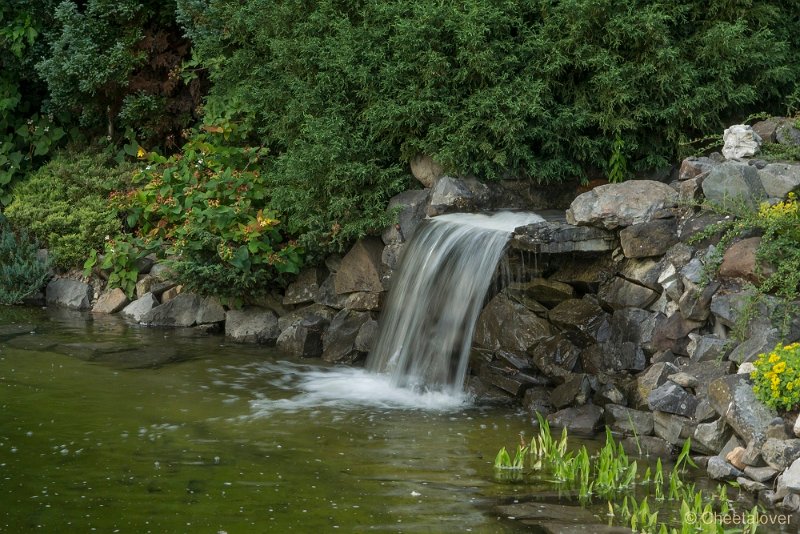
<point>583,420</point>
<point>70,294</point>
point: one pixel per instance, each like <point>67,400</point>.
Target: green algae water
<point>109,427</point>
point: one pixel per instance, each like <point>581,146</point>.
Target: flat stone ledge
<point>556,236</point>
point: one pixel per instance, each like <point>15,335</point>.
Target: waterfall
<point>436,296</point>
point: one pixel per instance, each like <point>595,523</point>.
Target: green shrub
<point>22,273</point>
<point>209,205</point>
<point>65,205</point>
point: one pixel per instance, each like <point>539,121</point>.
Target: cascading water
<point>436,297</point>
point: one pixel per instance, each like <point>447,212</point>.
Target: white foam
<point>504,221</point>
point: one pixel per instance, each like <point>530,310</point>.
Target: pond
<point>225,438</point>
<point>113,427</point>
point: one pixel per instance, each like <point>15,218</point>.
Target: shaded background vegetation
<point>341,95</point>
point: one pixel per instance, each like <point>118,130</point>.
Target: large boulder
<point>304,339</point>
<point>305,288</point>
<point>740,141</point>
<point>617,205</point>
<point>111,301</point>
<point>652,238</point>
<point>251,325</point>
<point>339,342</point>
<point>360,269</point>
<point>732,398</point>
<point>494,328</point>
<point>187,309</point>
<point>671,398</point>
<point>628,421</point>
<point>739,261</point>
<point>426,170</point>
<point>582,320</point>
<point>779,179</point>
<point>554,356</point>
<point>140,307</point>
<point>621,293</point>
<point>693,167</point>
<point>733,181</point>
<point>580,420</point>
<point>410,207</point>
<point>450,194</point>
<point>71,294</point>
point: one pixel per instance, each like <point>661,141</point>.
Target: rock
<point>554,356</point>
<point>727,307</point>
<point>706,372</point>
<point>650,446</point>
<point>137,309</point>
<point>671,398</point>
<point>733,181</point>
<point>390,256</point>
<point>548,292</point>
<point>574,391</point>
<point>719,469</point>
<point>585,274</point>
<point>695,305</point>
<point>70,294</point>
<point>787,133</point>
<point>709,438</point>
<point>693,167</point>
<point>492,331</point>
<point>746,368</point>
<point>633,325</point>
<point>510,379</point>
<point>210,311</point>
<point>251,325</point>
<point>582,320</point>
<point>305,288</point>
<point>303,339</point>
<point>624,356</point>
<point>643,271</point>
<point>537,511</point>
<point>581,420</point>
<point>780,453</point>
<point>763,340</point>
<point>779,179</point>
<point>622,293</point>
<point>760,474</point>
<point>790,479</point>
<point>655,376</point>
<point>796,427</point>
<point>367,336</point>
<point>410,207</point>
<point>690,191</point>
<point>684,380</point>
<point>739,261</point>
<point>672,333</point>
<point>776,429</point>
<point>671,282</point>
<point>628,421</point>
<point>767,128</point>
<point>740,142</point>
<point>750,486</point>
<point>559,237</point>
<point>791,503</point>
<point>752,453</point>
<point>360,269</point>
<point>732,397</point>
<point>171,293</point>
<point>111,301</point>
<point>340,339</point>
<point>609,394</point>
<point>618,205</point>
<point>363,301</point>
<point>652,238</point>
<point>537,400</point>
<point>696,223</point>
<point>425,169</point>
<point>735,458</point>
<point>450,194</point>
<point>706,348</point>
<point>180,311</point>
<point>672,428</point>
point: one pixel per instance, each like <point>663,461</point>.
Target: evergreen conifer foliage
<point>22,272</point>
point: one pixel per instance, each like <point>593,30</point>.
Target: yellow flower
<point>140,153</point>
<point>774,358</point>
<point>779,367</point>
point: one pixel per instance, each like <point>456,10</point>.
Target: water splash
<point>427,328</point>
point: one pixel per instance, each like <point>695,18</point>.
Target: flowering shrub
<point>777,377</point>
<point>209,206</point>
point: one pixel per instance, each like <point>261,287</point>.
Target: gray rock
<point>796,427</point>
<point>633,325</point>
<point>709,438</point>
<point>70,294</point>
<point>719,469</point>
<point>111,301</point>
<point>574,391</point>
<point>554,356</point>
<point>425,169</point>
<point>643,271</point>
<point>305,288</point>
<point>312,310</point>
<point>740,141</point>
<point>693,167</point>
<point>672,428</point>
<point>410,207</point>
<point>787,133</point>
<point>706,348</point>
<point>360,269</point>
<point>140,307</point>
<point>763,340</point>
<point>776,429</point>
<point>363,301</point>
<point>624,356</point>
<point>672,398</point>
<point>692,271</point>
<point>791,503</point>
<point>779,179</point>
<point>752,453</point>
<point>492,331</point>
<point>790,479</point>
<point>706,372</point>
<point>210,311</point>
<point>450,194</point>
<point>581,420</point>
<point>251,325</point>
<point>780,453</point>
<point>671,282</point>
<point>609,394</point>
<point>672,333</point>
<point>390,256</point>
<point>696,305</point>
<point>628,421</point>
<point>621,293</point>
<point>339,342</point>
<point>180,311</point>
<point>732,397</point>
<point>750,486</point>
<point>650,446</point>
<point>684,380</point>
<point>547,292</point>
<point>760,474</point>
<point>619,205</point>
<point>162,271</point>
<point>733,181</point>
<point>303,339</point>
<point>537,400</point>
<point>582,320</point>
<point>367,336</point>
<point>655,376</point>
<point>652,238</point>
